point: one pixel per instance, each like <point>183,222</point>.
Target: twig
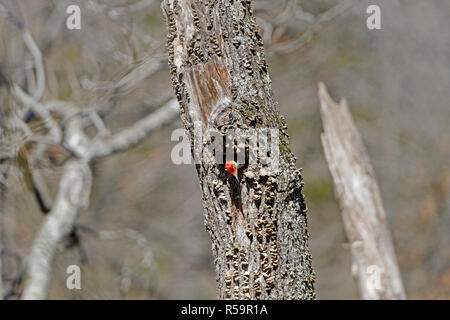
<point>35,52</point>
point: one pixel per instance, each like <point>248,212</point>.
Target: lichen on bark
<point>258,225</point>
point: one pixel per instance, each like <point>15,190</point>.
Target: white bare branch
<point>38,64</point>
<point>139,131</point>
<point>73,196</point>
<point>28,101</point>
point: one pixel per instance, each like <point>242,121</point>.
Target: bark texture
<point>374,263</point>
<point>258,226</point>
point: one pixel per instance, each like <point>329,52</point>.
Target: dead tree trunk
<point>258,226</point>
<point>374,262</point>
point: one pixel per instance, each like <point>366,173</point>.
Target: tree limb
<point>374,262</point>
<point>73,196</point>
<point>139,131</point>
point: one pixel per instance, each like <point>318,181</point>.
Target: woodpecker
<point>231,166</point>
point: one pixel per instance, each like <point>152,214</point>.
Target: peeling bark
<point>374,262</point>
<point>258,226</point>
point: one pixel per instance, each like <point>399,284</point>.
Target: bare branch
<point>40,190</point>
<point>39,87</point>
<point>25,99</point>
<point>38,64</point>
<point>73,196</point>
<point>138,132</point>
<point>374,262</point>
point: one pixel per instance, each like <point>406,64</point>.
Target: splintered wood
<point>211,89</point>
<point>374,264</point>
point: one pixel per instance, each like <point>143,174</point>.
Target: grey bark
<point>374,264</point>
<point>258,226</point>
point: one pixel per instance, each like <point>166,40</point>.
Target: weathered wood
<point>258,226</point>
<point>374,262</point>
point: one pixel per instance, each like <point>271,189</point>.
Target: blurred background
<point>144,235</point>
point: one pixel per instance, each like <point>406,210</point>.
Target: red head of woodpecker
<point>231,166</point>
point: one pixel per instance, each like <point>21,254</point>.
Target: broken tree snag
<point>257,223</point>
<point>374,264</point>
